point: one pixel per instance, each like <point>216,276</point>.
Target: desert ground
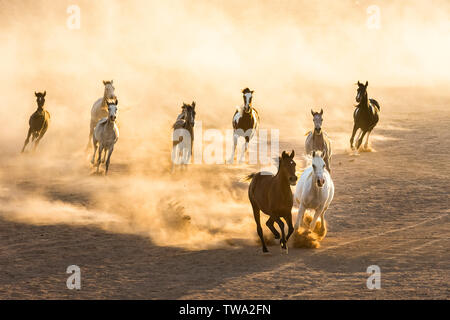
<point>143,232</point>
<point>390,209</point>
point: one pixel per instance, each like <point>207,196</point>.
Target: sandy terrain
<point>142,232</point>
<point>391,209</point>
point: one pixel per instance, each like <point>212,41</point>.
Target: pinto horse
<point>183,135</point>
<point>365,116</point>
<point>245,123</point>
<point>273,196</point>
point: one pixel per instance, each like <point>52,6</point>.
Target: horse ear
<point>45,92</point>
<point>321,111</point>
<point>252,91</point>
<point>313,154</point>
<point>193,104</point>
<point>292,154</point>
<point>116,102</point>
<point>104,82</point>
<point>35,94</point>
<point>367,83</point>
<point>359,83</point>
<point>312,112</point>
<point>112,81</point>
<point>284,154</point>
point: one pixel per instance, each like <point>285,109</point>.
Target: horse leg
<point>26,140</point>
<point>104,155</point>
<point>111,149</point>
<point>244,150</point>
<point>41,135</point>
<point>322,225</point>
<point>256,214</point>
<point>301,212</point>
<point>360,140</point>
<point>283,236</point>
<point>184,158</point>
<point>95,144</point>
<point>91,134</point>
<point>233,150</point>
<point>100,150</point>
<point>366,145</point>
<point>355,128</point>
<point>269,224</point>
<point>319,213</point>
<point>288,218</point>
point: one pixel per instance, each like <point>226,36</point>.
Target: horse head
<point>40,98</point>
<point>109,89</point>
<point>287,166</point>
<point>317,119</point>
<point>361,92</point>
<point>247,95</point>
<point>189,113</point>
<point>112,109</point>
<point>318,165</point>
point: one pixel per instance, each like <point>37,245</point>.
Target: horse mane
<point>308,157</point>
<point>250,176</point>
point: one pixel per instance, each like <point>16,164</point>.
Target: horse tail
<point>250,176</point>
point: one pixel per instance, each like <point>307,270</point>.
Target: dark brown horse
<point>365,116</point>
<point>273,196</point>
<point>38,122</point>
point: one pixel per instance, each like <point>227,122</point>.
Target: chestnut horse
<point>273,196</point>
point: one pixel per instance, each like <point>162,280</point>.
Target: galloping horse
<point>106,135</point>
<point>100,108</point>
<point>273,196</point>
<point>314,191</point>
<point>365,116</point>
<point>245,123</point>
<point>38,122</point>
<point>317,140</point>
<point>183,135</point>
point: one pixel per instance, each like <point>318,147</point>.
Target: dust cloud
<point>296,55</point>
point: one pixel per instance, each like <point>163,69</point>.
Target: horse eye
<point>314,166</point>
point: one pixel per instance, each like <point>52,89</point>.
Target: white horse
<point>314,191</point>
<point>100,108</point>
<point>106,134</point>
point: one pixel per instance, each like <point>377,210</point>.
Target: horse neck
<point>314,188</point>
<point>104,104</point>
<point>280,178</point>
<point>247,114</point>
<point>364,101</point>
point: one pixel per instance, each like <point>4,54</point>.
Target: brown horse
<point>38,122</point>
<point>273,196</point>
